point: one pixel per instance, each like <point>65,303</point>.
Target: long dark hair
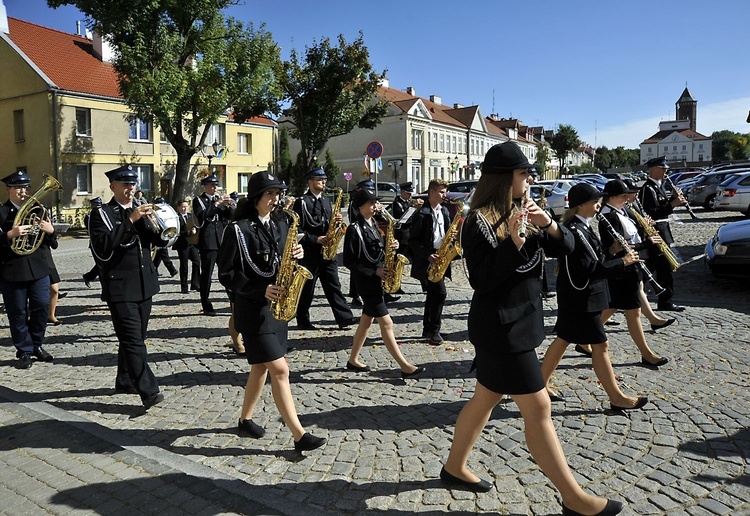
<point>493,198</point>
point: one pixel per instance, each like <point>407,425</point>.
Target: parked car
<point>728,251</point>
<point>557,199</point>
<point>733,194</point>
<point>560,184</point>
<point>703,191</point>
<point>387,192</point>
<point>682,176</point>
<point>461,190</point>
<point>597,180</point>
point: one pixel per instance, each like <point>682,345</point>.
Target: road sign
<point>375,150</point>
<point>348,176</point>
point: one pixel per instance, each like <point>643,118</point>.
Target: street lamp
<point>453,164</point>
<point>216,148</point>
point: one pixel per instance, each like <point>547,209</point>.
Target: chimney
<point>411,91</point>
<point>385,83</point>
<point>458,106</point>
<point>101,48</point>
<point>437,100</point>
<point>78,27</point>
<point>4,18</point>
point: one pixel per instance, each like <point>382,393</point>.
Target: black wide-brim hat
<point>615,187</point>
<point>504,157</point>
<point>582,193</point>
<point>360,197</point>
<point>262,181</point>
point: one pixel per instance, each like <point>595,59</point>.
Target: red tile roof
<point>685,132</point>
<point>440,113</point>
<point>67,59</point>
<point>259,120</point>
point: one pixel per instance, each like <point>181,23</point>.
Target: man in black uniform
<point>399,206</point>
<point>121,243</point>
<point>212,213</point>
<point>315,217</point>
<point>431,223</point>
<point>24,279</point>
<point>659,206</point>
<point>91,275</point>
<point>186,250</point>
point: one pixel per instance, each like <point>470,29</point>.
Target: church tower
<point>687,108</point>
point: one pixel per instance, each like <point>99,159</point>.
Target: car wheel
<point>710,203</point>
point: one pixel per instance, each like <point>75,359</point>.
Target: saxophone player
<point>24,279</point>
<point>399,206</point>
<point>316,216</point>
<point>249,261</point>
<point>427,233</point>
<point>364,255</point>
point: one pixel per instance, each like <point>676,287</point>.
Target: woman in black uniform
<point>582,295</point>
<point>249,259</point>
<point>363,256</point>
<point>506,324</point>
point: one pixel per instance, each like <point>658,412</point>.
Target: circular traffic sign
<point>348,176</point>
<point>374,150</point>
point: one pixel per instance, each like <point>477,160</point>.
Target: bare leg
<point>389,339</point>
<point>236,337</point>
<point>606,375</point>
<point>633,318</point>
<point>470,423</point>
<point>646,308</point>
<point>254,386</point>
<point>282,396</point>
<point>54,292</point>
<point>365,321</point>
<point>552,358</point>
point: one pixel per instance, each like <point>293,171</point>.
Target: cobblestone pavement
<point>69,445</point>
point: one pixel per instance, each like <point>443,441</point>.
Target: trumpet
<point>679,193</point>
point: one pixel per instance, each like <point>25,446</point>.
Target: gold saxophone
<point>649,230</point>
<point>393,262</point>
<point>31,213</point>
<point>335,231</point>
<point>291,276</point>
<point>449,249</point>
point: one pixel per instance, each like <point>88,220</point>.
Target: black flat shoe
<point>246,426</point>
<point>655,327</point>
<point>308,442</point>
<point>478,487</point>
<point>42,355</point>
<point>349,322</point>
<point>24,361</point>
<point>305,326</point>
<point>662,361</point>
<point>126,390</point>
<point>152,400</point>
<point>613,507</point>
<point>670,307</point>
<point>642,400</point>
<point>354,367</point>
<point>582,351</point>
<point>356,301</point>
<point>554,398</point>
<point>419,370</point>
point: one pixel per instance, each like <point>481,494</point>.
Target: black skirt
<point>264,337</point>
<point>624,292</point>
<point>509,373</point>
<point>54,276</point>
<point>370,290</point>
<point>580,327</point>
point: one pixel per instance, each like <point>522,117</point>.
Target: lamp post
<point>453,164</point>
<point>216,148</point>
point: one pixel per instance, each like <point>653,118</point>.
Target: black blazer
<point>314,219</point>
<point>420,240</point>
<point>364,252</point>
<point>212,221</point>
<point>123,251</point>
<point>506,308</point>
<point>658,205</point>
<point>581,282</point>
<point>14,267</point>
<point>181,243</point>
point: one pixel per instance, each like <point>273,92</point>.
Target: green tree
<point>739,147</point>
<point>183,65</point>
<point>284,159</point>
<point>331,168</point>
<point>603,159</point>
<point>542,158</point>
<point>564,141</point>
<point>331,90</point>
<point>721,146</point>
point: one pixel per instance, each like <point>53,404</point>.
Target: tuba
<point>291,276</point>
<point>393,262</point>
<point>30,214</point>
<point>449,249</point>
<point>335,231</point>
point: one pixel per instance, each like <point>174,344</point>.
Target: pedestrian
<point>187,252</point>
<point>249,261</point>
<point>121,242</point>
<point>506,324</point>
<point>364,253</point>
<point>24,278</point>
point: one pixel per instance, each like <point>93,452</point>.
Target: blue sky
<point>610,69</point>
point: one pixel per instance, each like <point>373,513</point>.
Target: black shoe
<point>349,322</point>
<point>24,361</point>
<point>356,301</point>
<point>642,400</point>
<point>419,370</point>
<point>54,322</point>
<point>556,398</point>
<point>670,307</point>
<point>308,442</point>
<point>390,298</point>
<point>152,400</point>
<point>173,273</point>
<point>434,338</point>
<point>613,507</point>
<point>62,295</point>
<point>478,487</point>
<point>86,281</point>
<point>305,325</point>
<point>354,367</point>
<point>210,312</point>
<point>655,327</point>
<point>612,322</point>
<point>246,426</point>
<point>184,291</point>
<point>126,390</point>
<point>197,289</point>
<point>549,295</point>
<point>42,355</point>
<point>662,361</point>
<point>582,351</point>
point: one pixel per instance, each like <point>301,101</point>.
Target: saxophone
<point>291,276</point>
<point>664,249</point>
<point>335,231</point>
<point>393,262</point>
<point>449,249</point>
<point>30,214</point>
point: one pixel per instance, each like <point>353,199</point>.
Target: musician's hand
<point>274,292</point>
<point>433,258</point>
<point>418,202</point>
<point>631,258</point>
<point>514,222</point>
<point>338,218</point>
<point>395,244</point>
<point>655,239</point>
<point>193,230</point>
<point>297,252</point>
<point>18,231</point>
<point>322,240</point>
<point>651,222</point>
<point>678,201</point>
<point>537,215</point>
<point>46,226</point>
<point>381,272</point>
<point>615,248</point>
<point>141,211</point>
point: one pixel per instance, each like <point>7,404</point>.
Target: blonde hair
<point>493,198</point>
<point>437,183</point>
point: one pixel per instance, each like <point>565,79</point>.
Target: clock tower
<point>687,108</point>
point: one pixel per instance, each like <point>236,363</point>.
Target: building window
<point>442,143</point>
<point>145,177</point>
<point>648,149</point>
<point>244,143</point>
<point>18,125</point>
<point>461,145</point>
<point>700,157</point>
<point>416,139</point>
<point>83,179</point>
<point>700,146</point>
<point>139,130</point>
<point>434,142</point>
<point>215,133</point>
<point>454,146</point>
<point>666,149</point>
<point>674,148</point>
<point>684,147</point>
<point>83,122</point>
<point>242,180</point>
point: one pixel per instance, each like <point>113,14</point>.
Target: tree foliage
<point>729,145</point>
<point>331,168</point>
<point>284,159</point>
<point>542,157</point>
<point>564,141</point>
<point>619,157</point>
<point>182,65</point>
<point>330,90</point>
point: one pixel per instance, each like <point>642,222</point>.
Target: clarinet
<point>658,289</point>
<point>679,192</point>
<point>523,224</point>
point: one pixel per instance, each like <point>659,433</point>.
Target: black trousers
<point>208,262</point>
<point>659,266</point>
<point>27,306</point>
<point>433,305</point>
<point>328,272</point>
<point>162,255</point>
<point>130,320</point>
<point>190,254</point>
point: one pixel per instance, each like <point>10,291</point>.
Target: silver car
<point>556,198</point>
<point>734,194</point>
<point>703,191</point>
